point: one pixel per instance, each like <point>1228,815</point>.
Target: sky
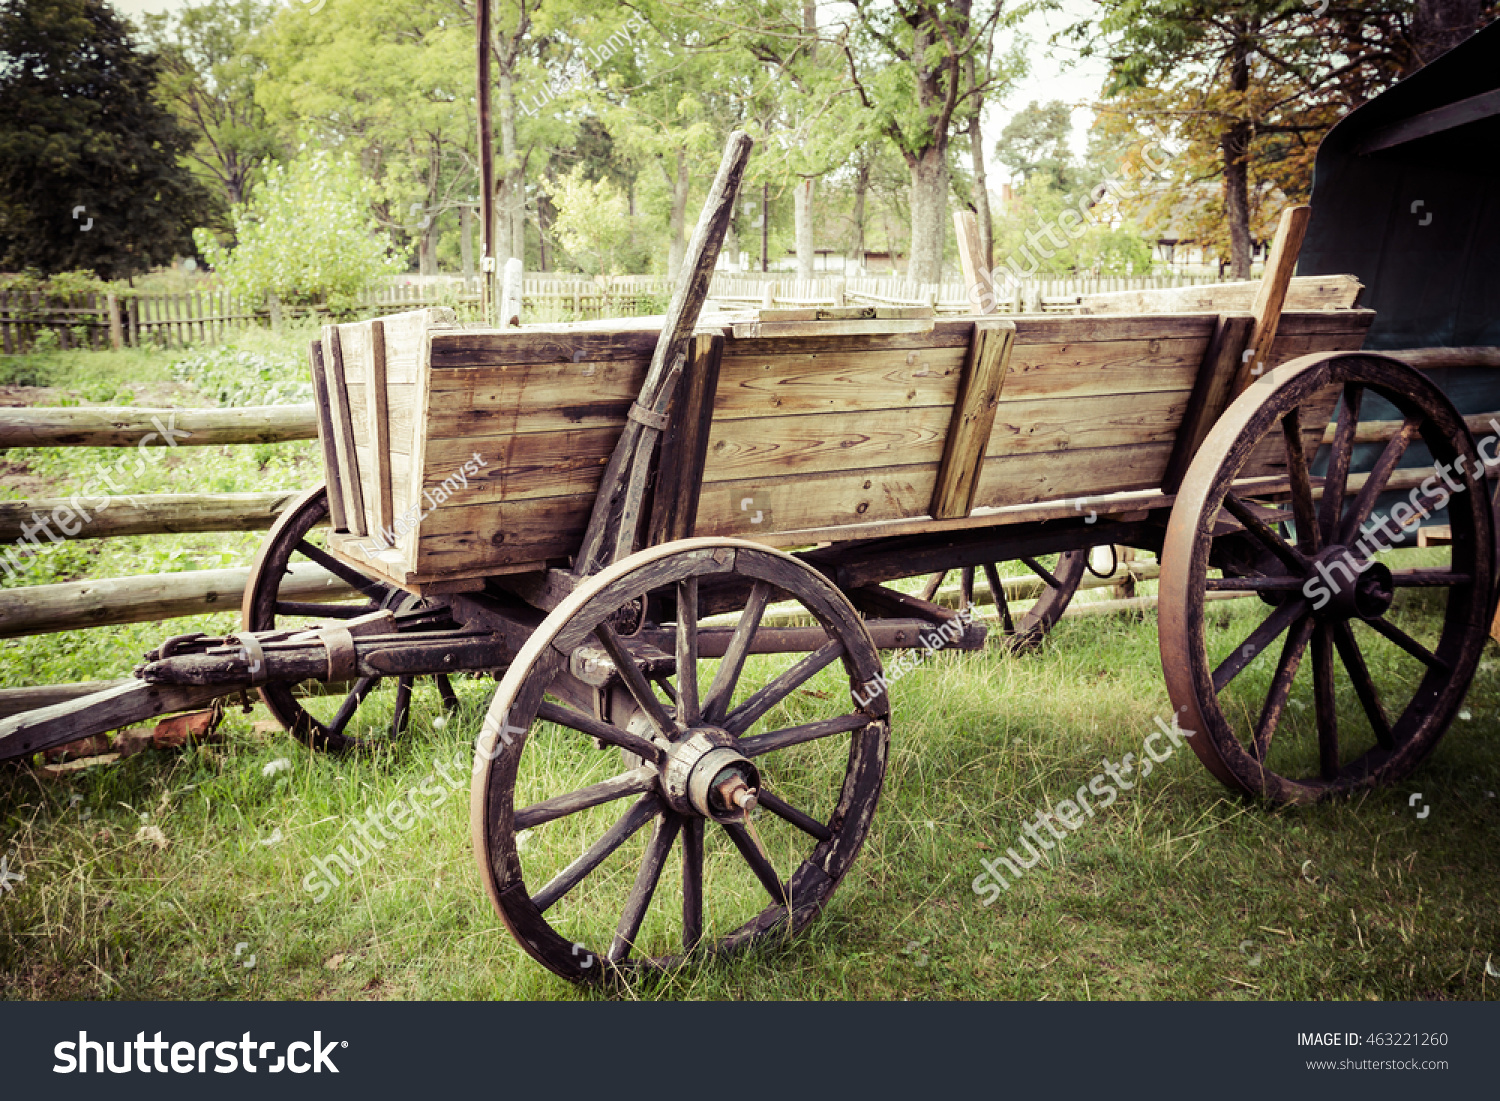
<point>1055,73</point>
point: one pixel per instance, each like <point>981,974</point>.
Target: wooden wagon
<point>682,545</point>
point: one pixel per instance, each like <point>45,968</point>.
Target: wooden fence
<point>43,609</point>
<point>131,319</point>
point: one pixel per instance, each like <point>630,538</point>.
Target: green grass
<point>1179,890</point>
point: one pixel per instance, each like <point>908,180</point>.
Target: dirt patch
<point>147,395</point>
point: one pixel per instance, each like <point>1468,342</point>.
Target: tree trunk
<point>1235,146</point>
<point>803,214</point>
<point>981,183</point>
<point>929,212</point>
<point>861,188</point>
<point>677,243</point>
<point>466,240</point>
<point>1439,25</point>
<point>510,207</point>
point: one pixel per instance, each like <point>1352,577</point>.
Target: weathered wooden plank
<point>144,514</point>
<point>542,397</point>
<point>1270,296</point>
<point>69,606</point>
<point>971,259</point>
<point>1089,472</point>
<point>1213,390</point>
<point>766,383</point>
<point>1035,329</point>
<point>380,429</point>
<point>464,350</point>
<point>1427,359</point>
<point>944,334</point>
<point>1064,424</point>
<point>120,705</point>
<point>815,500</point>
<point>15,701</point>
<point>1117,367</point>
<point>684,447</point>
<point>769,447</point>
<point>111,426</point>
<point>972,417</point>
<point>751,330</point>
<point>343,430</point>
<point>332,478</point>
<point>1328,322</point>
<point>1306,292</point>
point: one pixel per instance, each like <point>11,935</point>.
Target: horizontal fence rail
<point>128,426</point>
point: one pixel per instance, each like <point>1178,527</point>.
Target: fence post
<point>510,293</point>
<point>116,334</point>
<point>274,304</point>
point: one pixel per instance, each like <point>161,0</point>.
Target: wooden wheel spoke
<point>1309,539</point>
<point>1364,686</point>
<point>743,717</point>
<point>633,782</point>
<point>1428,579</point>
<point>375,590</point>
<point>1253,584</point>
<point>758,863</point>
<point>1375,481</point>
<point>362,688</point>
<point>1281,686</point>
<point>687,651</point>
<point>727,678</point>
<point>402,709</point>
<point>309,610</point>
<point>1002,605</point>
<point>758,744</point>
<point>1406,642</point>
<point>1337,476</point>
<point>934,583</point>
<point>1264,534</point>
<point>635,681</point>
<point>607,733</point>
<point>788,813</point>
<point>646,808</point>
<point>1260,638</point>
<point>1324,703</point>
<point>1043,572</point>
<point>445,692</point>
<point>692,883</point>
<point>639,901</point>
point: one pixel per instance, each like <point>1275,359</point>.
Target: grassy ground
<point>163,875</point>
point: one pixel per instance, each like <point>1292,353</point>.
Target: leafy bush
<point>306,236</point>
<point>234,376</point>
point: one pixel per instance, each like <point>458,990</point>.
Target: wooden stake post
<point>614,525</point>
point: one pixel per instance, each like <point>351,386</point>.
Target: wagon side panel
<point>819,431</point>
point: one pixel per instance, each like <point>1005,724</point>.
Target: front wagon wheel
<point>1349,664</point>
<point>754,756</point>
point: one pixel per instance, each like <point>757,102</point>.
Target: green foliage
<point>306,236</point>
<point>89,177</point>
<point>235,376</point>
<point>208,77</point>
<point>1035,143</point>
<point>593,221</point>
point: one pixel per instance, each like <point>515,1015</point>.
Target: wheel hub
<point>705,776</point>
<point>1357,590</point>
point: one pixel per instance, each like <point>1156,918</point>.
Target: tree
<point>909,63</point>
<point>89,173</point>
<point>1249,87</point>
<point>593,221</point>
<point>208,76</point>
<point>306,236</point>
<point>1035,142</point>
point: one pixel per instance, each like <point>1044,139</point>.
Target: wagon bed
<point>786,432</point>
